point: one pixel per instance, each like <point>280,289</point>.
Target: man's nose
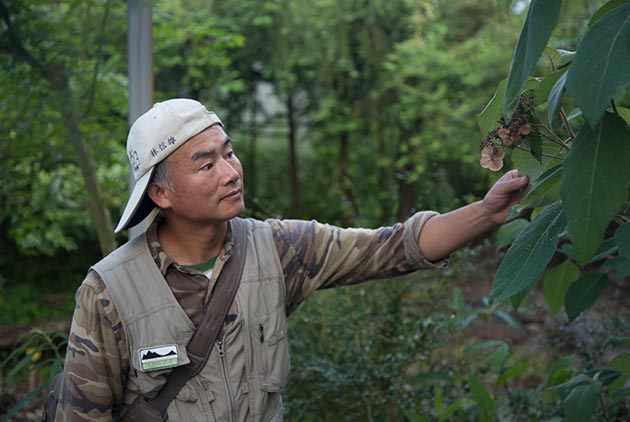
<point>229,173</point>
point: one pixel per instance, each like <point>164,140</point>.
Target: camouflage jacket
<point>313,256</point>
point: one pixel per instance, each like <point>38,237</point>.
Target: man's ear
<point>158,195</point>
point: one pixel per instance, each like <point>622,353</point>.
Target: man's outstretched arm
<point>446,233</point>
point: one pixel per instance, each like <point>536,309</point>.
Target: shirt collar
<point>164,260</point>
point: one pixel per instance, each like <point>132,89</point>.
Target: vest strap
<point>206,334</point>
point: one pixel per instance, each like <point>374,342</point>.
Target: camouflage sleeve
<point>317,256</point>
<point>96,362</point>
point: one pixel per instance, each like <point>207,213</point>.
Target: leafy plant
<point>568,131</point>
<point>38,354</point>
<point>596,390</point>
<point>365,352</point>
<point>579,173</point>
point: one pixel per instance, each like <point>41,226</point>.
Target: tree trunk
<point>349,207</point>
<point>252,132</point>
<point>100,215</point>
<point>407,193</point>
<point>407,190</point>
<point>294,178</point>
<point>56,76</point>
<point>384,180</point>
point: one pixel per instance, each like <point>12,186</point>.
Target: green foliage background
<point>349,112</point>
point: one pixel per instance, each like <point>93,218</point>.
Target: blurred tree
<point>437,80</point>
<point>55,120</point>
<point>275,56</point>
<point>353,39</point>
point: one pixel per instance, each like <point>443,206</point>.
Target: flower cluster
<point>491,158</point>
<point>507,136</point>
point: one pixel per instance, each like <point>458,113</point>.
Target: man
<point>128,309</point>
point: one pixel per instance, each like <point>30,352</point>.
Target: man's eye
<point>207,166</point>
<point>230,154</point>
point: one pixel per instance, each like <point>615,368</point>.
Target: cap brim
<point>139,204</point>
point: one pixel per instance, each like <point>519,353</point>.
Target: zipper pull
<point>220,349</point>
<point>262,333</point>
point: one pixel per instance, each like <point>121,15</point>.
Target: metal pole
<point>140,61</point>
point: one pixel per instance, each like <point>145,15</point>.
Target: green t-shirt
<point>205,266</point>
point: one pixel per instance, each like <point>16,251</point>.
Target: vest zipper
<point>226,380</point>
<point>263,352</point>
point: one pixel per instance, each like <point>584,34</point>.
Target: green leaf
<point>546,85</point>
<point>616,341</point>
<point>623,270</point>
<point>581,403</point>
<point>458,300</point>
<point>541,19</point>
<point>437,400</point>
<point>604,9</point>
<point>21,364</point>
<point>412,416</point>
<point>606,249</point>
<point>518,298</point>
<point>544,191</point>
<point>558,58</point>
<point>614,263</point>
<point>508,232</point>
<point>601,64</point>
<point>560,372</point>
<point>557,282</point>
<point>621,393</point>
<point>488,119</point>
<point>554,57</point>
<point>510,373</point>
<point>622,364</point>
<point>499,357</point>
<point>622,239</point>
<point>530,166</point>
<point>624,113</point>
<point>594,185</point>
<point>447,414</point>
<point>583,293</point>
<point>429,377</point>
<point>576,381</point>
<point>56,368</point>
<point>530,253</point>
<point>451,409</point>
<point>511,321</point>
<point>555,97</point>
<point>534,143</point>
<point>481,395</point>
<point>605,375</point>
<point>485,344</point>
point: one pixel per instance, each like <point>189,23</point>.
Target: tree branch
<point>542,154</point>
<point>565,121</point>
<point>10,42</point>
<point>551,135</point>
<point>92,89</point>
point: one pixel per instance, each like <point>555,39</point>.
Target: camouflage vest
<point>247,369</point>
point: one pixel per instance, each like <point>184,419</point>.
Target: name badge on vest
<point>158,357</point>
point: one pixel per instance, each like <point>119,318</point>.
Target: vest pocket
<point>272,342</point>
<point>192,403</point>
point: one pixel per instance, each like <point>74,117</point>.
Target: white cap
<point>154,136</point>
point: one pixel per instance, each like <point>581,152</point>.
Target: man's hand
<point>446,233</point>
<point>505,193</point>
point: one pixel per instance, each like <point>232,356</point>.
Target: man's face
<point>206,178</point>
